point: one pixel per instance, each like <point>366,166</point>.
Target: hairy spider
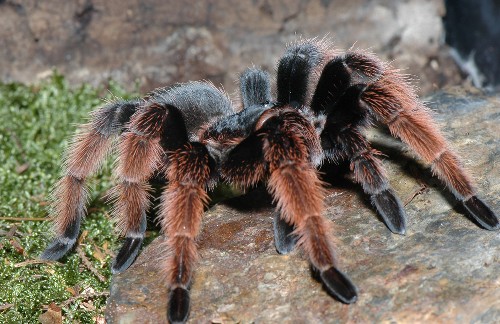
<point>192,135</point>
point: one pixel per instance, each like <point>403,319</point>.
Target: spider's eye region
<point>270,104</point>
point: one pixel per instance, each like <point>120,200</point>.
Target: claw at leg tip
<point>178,305</point>
<point>338,285</point>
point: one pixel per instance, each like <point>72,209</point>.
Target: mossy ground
<point>36,123</point>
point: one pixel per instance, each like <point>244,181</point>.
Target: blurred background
<point>157,42</point>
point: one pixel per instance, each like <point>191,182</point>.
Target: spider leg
<point>140,153</point>
<point>296,71</point>
<point>256,97</point>
<point>246,156</point>
<point>86,153</point>
<point>158,134</point>
<point>342,137</point>
<point>343,132</point>
<point>295,186</point>
<point>285,239</point>
<point>298,191</point>
<point>394,103</point>
<point>189,172</point>
<point>391,100</point>
<point>369,172</point>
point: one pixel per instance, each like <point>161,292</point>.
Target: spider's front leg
<point>365,87</point>
<point>394,103</point>
<point>189,172</point>
<point>281,151</point>
<point>85,154</point>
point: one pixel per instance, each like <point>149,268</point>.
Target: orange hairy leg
<point>394,103</point>
<point>140,154</point>
<point>294,184</point>
<point>354,89</point>
<point>86,153</point>
<point>189,172</point>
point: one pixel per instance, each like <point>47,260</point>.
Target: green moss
<point>36,124</point>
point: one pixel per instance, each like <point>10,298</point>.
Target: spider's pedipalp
<point>247,155</point>
<point>84,156</point>
<point>233,136</point>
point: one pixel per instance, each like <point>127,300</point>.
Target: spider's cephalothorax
<point>191,135</point>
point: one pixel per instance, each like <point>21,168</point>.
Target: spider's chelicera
<point>192,134</point>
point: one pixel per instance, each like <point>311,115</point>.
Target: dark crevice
<point>473,31</point>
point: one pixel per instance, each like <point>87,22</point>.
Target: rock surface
<point>445,269</point>
<point>162,42</point>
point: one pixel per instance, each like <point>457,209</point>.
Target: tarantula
<point>191,134</point>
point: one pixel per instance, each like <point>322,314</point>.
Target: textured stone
<point>445,269</point>
<point>162,42</point>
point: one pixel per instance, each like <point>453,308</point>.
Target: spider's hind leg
<point>84,156</point>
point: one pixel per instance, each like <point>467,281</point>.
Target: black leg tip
<point>482,213</point>
<point>178,306</point>
<point>284,238</point>
<point>391,210</point>
<point>57,248</point>
<point>339,286</point>
<point>127,254</point>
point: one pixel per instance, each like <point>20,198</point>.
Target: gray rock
<point>445,269</point>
